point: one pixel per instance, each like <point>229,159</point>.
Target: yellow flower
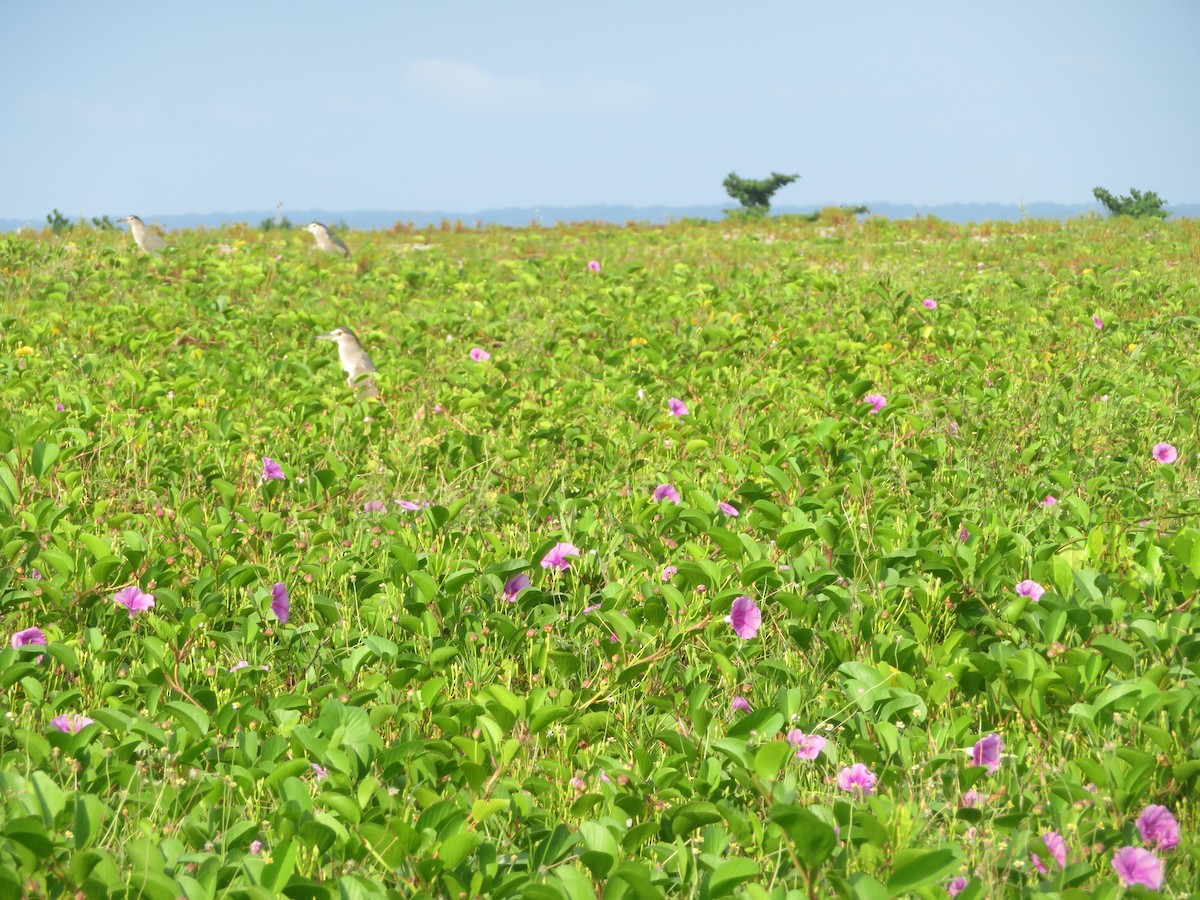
<point>25,351</point>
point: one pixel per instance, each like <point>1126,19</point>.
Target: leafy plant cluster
<point>1136,205</point>
<point>738,559</point>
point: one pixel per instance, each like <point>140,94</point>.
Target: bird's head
<point>130,219</point>
<point>339,335</point>
<point>315,227</point>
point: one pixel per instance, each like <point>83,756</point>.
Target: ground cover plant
<point>771,559</point>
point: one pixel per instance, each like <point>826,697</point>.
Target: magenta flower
<point>1158,827</point>
<point>255,848</point>
<point>1031,589</point>
<point>1134,865</point>
<point>478,354</point>
<point>957,886</point>
<point>71,723</point>
<point>374,506</point>
<point>133,599</point>
<point>59,406</point>
<point>320,771</point>
<point>677,407</point>
<point>1058,849</point>
<point>239,665</point>
<point>272,470</point>
<point>669,573</point>
<point>557,557</point>
<point>728,509</point>
<point>987,752</point>
<point>1049,500</point>
<point>877,401</point>
<point>963,535</point>
<point>857,779</point>
<point>1098,322</point>
<point>281,604</point>
<point>1165,453</point>
<point>929,303</point>
<point>666,492</point>
<point>514,586</point>
<point>408,505</point>
<point>973,798</point>
<point>745,618</point>
<point>594,265</point>
<point>740,703</point>
<point>808,746</point>
<point>33,635</point>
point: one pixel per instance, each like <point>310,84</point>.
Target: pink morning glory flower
<point>594,265</point>
<point>740,704</point>
<point>1134,865</point>
<point>1049,500</point>
<point>1058,849</point>
<point>669,573</point>
<point>71,723</point>
<point>728,509</point>
<point>374,506</point>
<point>1158,827</point>
<point>1098,322</point>
<point>957,886</point>
<point>408,505</point>
<point>514,586</point>
<point>808,746</point>
<point>478,354</point>
<point>857,779</point>
<point>877,401</point>
<point>272,470</point>
<point>133,599</point>
<point>987,752</point>
<point>557,557</point>
<point>281,604</point>
<point>972,799</point>
<point>1031,589</point>
<point>29,636</point>
<point>666,492</point>
<point>320,771</point>
<point>239,665</point>
<point>929,303</point>
<point>677,407</point>
<point>1165,453</point>
<point>745,617</point>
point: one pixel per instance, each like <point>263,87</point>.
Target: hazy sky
<point>112,108</point>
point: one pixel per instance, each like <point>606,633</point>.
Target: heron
<point>143,236</point>
<point>326,239</point>
<point>355,361</point>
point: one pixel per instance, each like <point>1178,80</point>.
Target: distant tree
<point>104,223</point>
<point>58,222</point>
<point>755,196</point>
<point>1138,205</point>
<point>283,223</point>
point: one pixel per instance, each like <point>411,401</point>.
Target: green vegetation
<point>952,470</point>
<point>755,196</point>
<point>1137,205</point>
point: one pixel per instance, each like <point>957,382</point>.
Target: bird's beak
<point>326,337</point>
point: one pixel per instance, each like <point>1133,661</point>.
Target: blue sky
<point>112,108</point>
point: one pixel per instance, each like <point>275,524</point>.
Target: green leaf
<point>923,867</point>
<point>729,874</point>
<point>43,458</point>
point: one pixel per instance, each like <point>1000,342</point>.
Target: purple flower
<point>591,609</point>
<point>1049,500</point>
<point>594,265</point>
<point>929,303</point>
<point>514,586</point>
<point>239,665</point>
<point>1158,827</point>
<point>677,407</point>
<point>478,354</point>
<point>1031,589</point>
<point>669,573</point>
<point>1058,849</point>
<point>1098,322</point>
<point>1165,453</point>
<point>58,406</point>
<point>957,886</point>
<point>281,604</point>
<point>963,535</point>
<point>255,848</point>
<point>745,618</point>
<point>133,599</point>
<point>728,509</point>
<point>33,635</point>
<point>1134,865</point>
<point>71,723</point>
<point>272,471</point>
<point>857,779</point>
<point>35,574</point>
<point>987,752</point>
<point>808,746</point>
<point>374,506</point>
<point>973,798</point>
<point>557,557</point>
<point>320,771</point>
<point>666,492</point>
<point>740,703</point>
<point>408,505</point>
<point>877,401</point>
